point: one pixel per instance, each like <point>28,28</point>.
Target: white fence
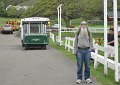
<point>92,30</point>
<point>69,43</point>
<point>58,40</point>
<point>101,59</point>
<point>97,30</point>
<point>52,37</point>
<point>69,30</point>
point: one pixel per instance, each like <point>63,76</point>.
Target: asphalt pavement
<point>34,66</point>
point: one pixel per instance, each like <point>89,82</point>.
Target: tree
<point>93,9</point>
<point>12,2</point>
<point>27,13</point>
<point>2,9</point>
<point>71,9</point>
<point>13,12</point>
<point>45,8</point>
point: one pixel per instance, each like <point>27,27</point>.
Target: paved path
<point>34,67</point>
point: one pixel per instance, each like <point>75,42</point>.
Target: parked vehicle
<point>15,24</point>
<point>34,32</point>
<point>7,29</point>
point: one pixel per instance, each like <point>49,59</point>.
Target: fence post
<point>73,45</point>
<point>65,42</point>
<point>53,37</point>
<point>57,39</point>
<point>95,60</point>
<point>68,44</point>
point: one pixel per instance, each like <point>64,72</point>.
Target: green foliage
<point>11,12</point>
<point>13,2</point>
<point>43,8</point>
<point>14,13</point>
<point>27,13</point>
<point>2,9</point>
<point>29,3</point>
<point>92,9</point>
<point>71,9</point>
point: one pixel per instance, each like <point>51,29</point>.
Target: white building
<point>19,7</point>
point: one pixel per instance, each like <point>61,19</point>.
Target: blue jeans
<point>83,56</point>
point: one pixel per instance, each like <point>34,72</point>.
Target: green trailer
<point>34,32</point>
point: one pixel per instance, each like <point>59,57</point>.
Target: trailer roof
<point>35,19</point>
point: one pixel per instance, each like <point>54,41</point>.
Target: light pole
<point>59,23</point>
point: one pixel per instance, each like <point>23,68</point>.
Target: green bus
<point>34,32</point>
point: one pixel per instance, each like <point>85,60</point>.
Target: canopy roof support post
<point>116,40</point>
<point>105,38</point>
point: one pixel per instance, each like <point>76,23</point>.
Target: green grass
<point>75,22</point>
<point>3,20</point>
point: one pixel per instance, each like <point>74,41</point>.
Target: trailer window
<point>34,28</point>
<point>25,28</point>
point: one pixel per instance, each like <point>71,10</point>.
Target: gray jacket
<point>83,42</point>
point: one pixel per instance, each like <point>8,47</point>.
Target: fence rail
<point>52,36</point>
<point>92,30</point>
<point>69,43</point>
<point>101,59</point>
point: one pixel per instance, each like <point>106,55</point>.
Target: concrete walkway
<point>34,67</point>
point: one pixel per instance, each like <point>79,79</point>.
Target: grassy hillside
<point>3,20</point>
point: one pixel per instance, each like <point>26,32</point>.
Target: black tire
<point>44,47</point>
<point>26,47</point>
<point>23,45</point>
<point>11,32</point>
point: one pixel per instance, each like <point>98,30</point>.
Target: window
<point>25,28</point>
<point>34,28</point>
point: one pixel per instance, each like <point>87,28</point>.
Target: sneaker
<point>78,81</point>
<point>88,81</point>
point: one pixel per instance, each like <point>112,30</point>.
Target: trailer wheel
<point>23,45</point>
<point>44,47</point>
<point>26,47</point>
